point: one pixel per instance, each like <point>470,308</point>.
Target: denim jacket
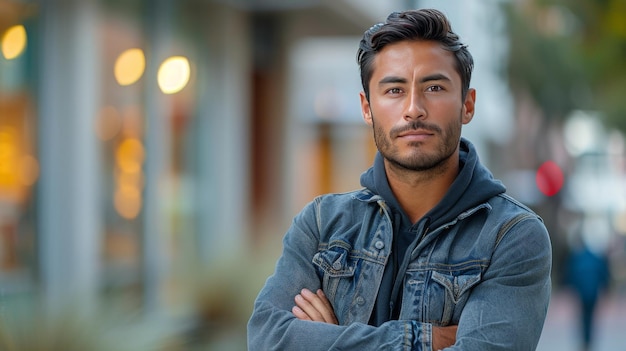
<point>483,264</point>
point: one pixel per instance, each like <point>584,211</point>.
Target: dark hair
<point>424,24</point>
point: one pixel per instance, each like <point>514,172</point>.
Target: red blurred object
<point>549,178</point>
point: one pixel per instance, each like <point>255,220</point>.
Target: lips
<point>415,133</point>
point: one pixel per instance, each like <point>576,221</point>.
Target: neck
<point>418,192</point>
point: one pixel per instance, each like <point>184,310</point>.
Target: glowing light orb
<point>14,42</point>
<point>549,178</point>
<point>129,66</point>
<point>173,74</point>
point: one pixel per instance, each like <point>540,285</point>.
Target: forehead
<point>415,58</point>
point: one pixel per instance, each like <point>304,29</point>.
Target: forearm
<point>276,330</point>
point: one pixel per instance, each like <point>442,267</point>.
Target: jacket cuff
<point>422,336</point>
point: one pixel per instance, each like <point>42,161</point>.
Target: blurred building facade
<point>110,178</point>
<point>114,180</point>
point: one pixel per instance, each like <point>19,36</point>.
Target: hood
<point>473,186</point>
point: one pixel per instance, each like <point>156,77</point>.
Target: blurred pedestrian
<point>431,252</point>
<point>589,276</point>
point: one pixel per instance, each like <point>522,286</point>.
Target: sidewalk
<point>561,330</point>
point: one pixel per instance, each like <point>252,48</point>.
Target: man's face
<point>415,105</point>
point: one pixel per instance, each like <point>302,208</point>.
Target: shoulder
<point>336,213</point>
<point>505,208</point>
<point>339,200</point>
<point>337,204</point>
<point>517,222</point>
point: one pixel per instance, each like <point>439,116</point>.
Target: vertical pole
<point>156,224</point>
<point>69,226</point>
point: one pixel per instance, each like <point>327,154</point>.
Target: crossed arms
<point>316,307</point>
<point>505,311</point>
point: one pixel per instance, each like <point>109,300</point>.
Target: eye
<point>394,91</point>
<point>435,88</point>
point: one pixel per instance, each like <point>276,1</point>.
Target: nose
<point>414,108</point>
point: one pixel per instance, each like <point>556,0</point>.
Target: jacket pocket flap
<point>335,261</point>
<point>456,285</point>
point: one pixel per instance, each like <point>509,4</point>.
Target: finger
<point>308,308</point>
<point>324,299</point>
<point>300,314</point>
<point>321,305</point>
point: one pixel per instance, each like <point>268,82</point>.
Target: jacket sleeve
<point>507,310</point>
<point>272,326</point>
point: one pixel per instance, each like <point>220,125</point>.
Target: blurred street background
<point>154,152</point>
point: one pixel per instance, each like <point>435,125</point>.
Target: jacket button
<point>360,300</point>
<point>337,265</point>
<point>379,244</point>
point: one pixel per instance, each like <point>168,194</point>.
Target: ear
<point>468,106</point>
<point>366,110</point>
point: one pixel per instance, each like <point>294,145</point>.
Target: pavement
<point>561,330</point>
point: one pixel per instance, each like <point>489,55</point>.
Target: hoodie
<point>474,185</point>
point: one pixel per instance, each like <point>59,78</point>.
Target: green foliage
<point>570,55</point>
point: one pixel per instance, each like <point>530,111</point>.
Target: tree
<point>570,54</point>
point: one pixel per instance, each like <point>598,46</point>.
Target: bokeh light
<point>129,178</point>
<point>9,157</point>
<point>549,178</point>
<point>129,66</point>
<point>130,155</point>
<point>173,74</point>
<point>14,42</point>
<point>127,201</point>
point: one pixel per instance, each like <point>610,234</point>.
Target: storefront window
<point>19,164</point>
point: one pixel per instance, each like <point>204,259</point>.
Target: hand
<point>444,337</point>
<point>314,307</point>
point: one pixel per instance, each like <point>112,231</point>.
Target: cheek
<point>386,113</point>
<point>390,106</point>
<point>450,110</point>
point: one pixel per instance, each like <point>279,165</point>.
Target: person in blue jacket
<point>431,253</point>
<point>589,276</point>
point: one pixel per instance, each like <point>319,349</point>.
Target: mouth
<point>415,135</point>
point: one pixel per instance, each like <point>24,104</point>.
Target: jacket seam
<point>505,229</point>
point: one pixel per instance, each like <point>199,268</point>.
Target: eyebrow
<point>396,79</point>
<point>436,76</point>
<point>392,79</point>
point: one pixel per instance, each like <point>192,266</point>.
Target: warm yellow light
<point>134,179</point>
<point>129,66</point>
<point>173,75</point>
<point>14,42</point>
<point>127,201</point>
<point>9,156</point>
<point>130,155</point>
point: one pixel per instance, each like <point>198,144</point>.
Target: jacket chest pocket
<point>336,269</point>
<point>447,293</point>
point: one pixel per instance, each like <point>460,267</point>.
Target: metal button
<point>379,244</point>
<point>337,265</point>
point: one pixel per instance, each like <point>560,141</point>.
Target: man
<point>431,253</point>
